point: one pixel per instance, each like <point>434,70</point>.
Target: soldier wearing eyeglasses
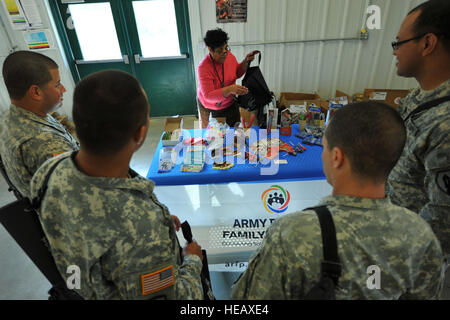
<point>418,181</point>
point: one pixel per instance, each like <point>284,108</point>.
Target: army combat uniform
<point>421,179</point>
<point>370,232</point>
<point>27,141</point>
<point>118,234</point>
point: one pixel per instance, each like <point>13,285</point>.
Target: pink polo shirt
<point>209,89</point>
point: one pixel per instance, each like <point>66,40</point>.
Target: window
<point>157,28</point>
<point>94,25</point>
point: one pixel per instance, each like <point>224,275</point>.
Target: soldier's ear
<point>35,92</point>
<point>337,157</point>
<point>430,44</point>
<point>141,134</point>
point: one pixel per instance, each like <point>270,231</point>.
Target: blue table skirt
<point>304,166</point>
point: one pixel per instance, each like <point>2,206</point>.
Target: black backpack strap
<point>36,202</point>
<point>331,265</point>
<point>259,58</point>
<point>428,105</point>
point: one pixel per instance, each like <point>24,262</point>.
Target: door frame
<point>183,27</point>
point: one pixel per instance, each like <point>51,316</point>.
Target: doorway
<point>148,38</point>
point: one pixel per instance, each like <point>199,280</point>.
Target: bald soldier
<point>103,217</point>
<point>361,144</point>
<point>29,135</point>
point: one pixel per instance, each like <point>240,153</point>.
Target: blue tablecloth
<point>304,166</point>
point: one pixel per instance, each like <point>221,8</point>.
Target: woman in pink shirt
<point>217,75</point>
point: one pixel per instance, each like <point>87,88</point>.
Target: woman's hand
<point>234,89</point>
<point>251,56</point>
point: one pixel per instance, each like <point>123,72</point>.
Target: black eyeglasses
<point>397,44</point>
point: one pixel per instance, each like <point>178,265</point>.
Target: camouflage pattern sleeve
<point>189,286</point>
<point>36,151</point>
<point>284,268</point>
<point>121,238</point>
<point>370,233</point>
<point>264,277</point>
<point>437,185</point>
<point>146,249</point>
<point>428,284</point>
<point>420,181</point>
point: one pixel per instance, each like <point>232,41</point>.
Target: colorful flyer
<point>23,14</point>
<point>15,14</point>
<point>39,39</point>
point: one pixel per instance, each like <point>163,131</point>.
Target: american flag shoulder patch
<point>158,280</point>
<point>57,154</point>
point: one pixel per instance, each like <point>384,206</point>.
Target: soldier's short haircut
<point>108,108</point>
<point>22,69</point>
<point>434,18</point>
<point>371,134</point>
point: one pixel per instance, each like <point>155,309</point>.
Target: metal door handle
<point>126,59</point>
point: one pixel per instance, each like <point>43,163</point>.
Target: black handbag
<point>258,94</point>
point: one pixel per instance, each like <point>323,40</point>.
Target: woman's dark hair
<point>216,38</point>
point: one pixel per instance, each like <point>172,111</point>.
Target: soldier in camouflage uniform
<point>362,142</point>
<point>29,135</point>
<point>421,179</point>
<point>104,218</point>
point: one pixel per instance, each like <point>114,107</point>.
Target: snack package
<point>271,117</point>
<point>335,104</point>
<point>193,158</point>
<point>286,122</point>
<point>194,155</point>
<point>216,130</point>
<point>315,117</point>
<point>192,168</point>
<point>222,166</point>
<point>166,159</point>
<point>299,113</point>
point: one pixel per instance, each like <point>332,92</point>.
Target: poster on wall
<point>22,14</point>
<point>38,40</point>
<point>231,11</point>
<point>15,14</point>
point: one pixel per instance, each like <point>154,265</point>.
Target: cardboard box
<point>221,120</point>
<point>357,97</point>
<point>247,116</point>
<point>390,97</point>
<point>174,128</point>
<point>343,94</point>
<point>294,98</point>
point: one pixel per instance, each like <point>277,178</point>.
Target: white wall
<point>323,66</point>
<point>10,38</point>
